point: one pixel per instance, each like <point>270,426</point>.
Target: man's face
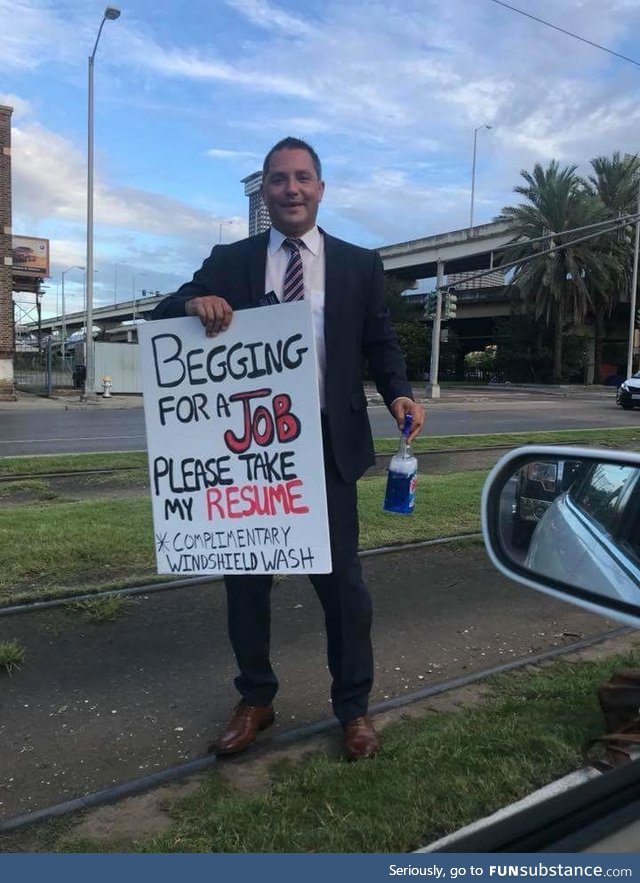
<point>292,191</point>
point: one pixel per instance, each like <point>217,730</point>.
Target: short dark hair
<point>293,144</point>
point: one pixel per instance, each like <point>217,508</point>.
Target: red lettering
<point>278,495</point>
<point>262,414</point>
<point>287,424</point>
<point>233,501</point>
<point>253,499</point>
<point>240,445</point>
<point>299,510</point>
<point>214,495</point>
<point>248,495</point>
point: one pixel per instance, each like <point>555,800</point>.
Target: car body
<point>22,254</point>
<point>628,393</point>
<point>588,535</point>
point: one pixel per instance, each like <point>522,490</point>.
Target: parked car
<point>537,485</point>
<point>628,394</point>
<point>590,535</point>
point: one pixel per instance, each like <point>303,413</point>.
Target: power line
<point>568,33</point>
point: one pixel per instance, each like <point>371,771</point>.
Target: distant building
<point>463,283</point>
<point>258,214</point>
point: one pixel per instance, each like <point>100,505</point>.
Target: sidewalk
<point>491,392</point>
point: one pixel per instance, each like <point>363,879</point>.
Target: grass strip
<point>435,774</point>
<point>29,489</point>
<point>615,438</point>
<point>55,549</point>
<point>71,463</point>
<point>48,550</point>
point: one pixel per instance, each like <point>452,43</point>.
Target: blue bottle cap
<point>408,420</point>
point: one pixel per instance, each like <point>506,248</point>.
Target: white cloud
<point>30,32</point>
<point>50,182</point>
<point>21,107</point>
<point>269,16</point>
<point>219,153</point>
<point>143,51</point>
<point>389,91</point>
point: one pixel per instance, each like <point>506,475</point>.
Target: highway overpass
<point>457,251</point>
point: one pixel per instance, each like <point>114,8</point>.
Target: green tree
<point>560,286</point>
<point>415,342</point>
<point>524,349</point>
<point>615,184</point>
<point>400,308</point>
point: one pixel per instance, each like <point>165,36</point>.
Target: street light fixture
<point>473,169</point>
<point>64,317</point>
<point>133,290</point>
<point>110,14</point>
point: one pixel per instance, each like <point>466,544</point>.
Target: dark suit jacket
<point>356,323</point>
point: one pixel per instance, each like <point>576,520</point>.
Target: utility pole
<point>433,388</point>
<point>634,291</point>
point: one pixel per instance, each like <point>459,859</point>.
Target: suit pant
<point>345,601</point>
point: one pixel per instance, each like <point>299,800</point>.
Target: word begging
<point>235,444</point>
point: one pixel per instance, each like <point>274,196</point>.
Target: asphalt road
<point>77,431</point>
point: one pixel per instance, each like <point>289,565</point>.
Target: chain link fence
<point>44,371</point>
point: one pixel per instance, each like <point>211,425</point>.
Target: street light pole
<point>633,297</point>
<point>473,169</point>
<point>110,14</point>
<point>64,315</point>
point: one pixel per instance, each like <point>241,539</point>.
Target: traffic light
<point>430,305</point>
<point>450,305</point>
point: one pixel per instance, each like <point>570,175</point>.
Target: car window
<point>603,493</point>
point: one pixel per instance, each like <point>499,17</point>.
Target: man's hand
<point>402,406</point>
<point>214,312</point>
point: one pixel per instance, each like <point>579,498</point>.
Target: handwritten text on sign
<point>235,444</point>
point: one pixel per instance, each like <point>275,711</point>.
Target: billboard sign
<point>30,256</point>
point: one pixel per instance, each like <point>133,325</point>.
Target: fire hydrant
<point>106,387</point>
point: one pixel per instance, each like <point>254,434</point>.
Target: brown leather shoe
<point>244,726</point>
<point>360,739</point>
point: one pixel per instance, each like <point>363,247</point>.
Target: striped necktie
<point>293,288</point>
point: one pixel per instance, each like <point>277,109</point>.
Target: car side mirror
<point>566,521</point>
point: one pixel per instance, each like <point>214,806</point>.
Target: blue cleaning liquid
<point>400,496</point>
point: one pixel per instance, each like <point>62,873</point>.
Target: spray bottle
<point>400,496</point>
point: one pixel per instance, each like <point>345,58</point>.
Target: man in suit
<point>345,284</point>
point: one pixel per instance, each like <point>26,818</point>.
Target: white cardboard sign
<point>235,444</point>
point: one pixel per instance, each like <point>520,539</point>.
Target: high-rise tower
<point>258,214</point>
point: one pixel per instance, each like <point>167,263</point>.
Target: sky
<point>189,97</point>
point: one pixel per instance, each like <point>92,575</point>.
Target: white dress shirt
<point>313,268</point>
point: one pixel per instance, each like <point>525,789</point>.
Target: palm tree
<point>560,285</point>
<point>615,183</point>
